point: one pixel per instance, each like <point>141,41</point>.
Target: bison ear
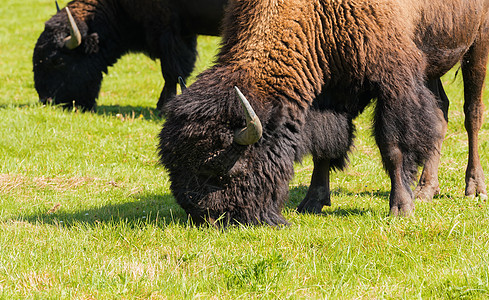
<point>91,43</point>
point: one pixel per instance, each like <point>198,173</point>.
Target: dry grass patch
<point>13,182</point>
<point>36,281</point>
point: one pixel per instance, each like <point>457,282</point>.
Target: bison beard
<point>167,30</point>
<point>308,68</point>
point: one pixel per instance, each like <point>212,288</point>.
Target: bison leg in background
<point>428,185</point>
<point>169,90</point>
<point>318,193</point>
<point>329,139</point>
<point>178,55</point>
<point>474,71</point>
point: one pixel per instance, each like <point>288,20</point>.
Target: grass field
<point>86,211</point>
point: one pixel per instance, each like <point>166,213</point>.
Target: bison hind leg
<point>474,72</point>
<point>177,58</point>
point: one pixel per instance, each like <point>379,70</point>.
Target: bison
<point>73,51</point>
<point>302,70</point>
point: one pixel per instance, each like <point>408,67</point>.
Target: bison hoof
<point>279,223</point>
<point>426,193</point>
<point>476,187</point>
<point>269,218</point>
<point>315,199</point>
<point>402,211</point>
<point>311,206</point>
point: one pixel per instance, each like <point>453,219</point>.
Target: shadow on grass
<point>18,105</point>
<point>162,210</point>
<point>156,210</point>
<point>296,194</point>
<point>348,212</point>
<point>129,112</point>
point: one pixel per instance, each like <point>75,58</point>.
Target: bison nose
<point>47,100</point>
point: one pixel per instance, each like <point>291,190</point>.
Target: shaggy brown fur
<point>289,56</point>
<point>444,32</point>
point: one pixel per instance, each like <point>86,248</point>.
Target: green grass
<point>86,210</point>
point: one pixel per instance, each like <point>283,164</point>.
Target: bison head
<point>218,169</point>
<point>65,64</point>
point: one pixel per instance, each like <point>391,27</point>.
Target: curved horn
<point>75,39</point>
<point>181,81</point>
<point>253,130</point>
<point>57,6</point>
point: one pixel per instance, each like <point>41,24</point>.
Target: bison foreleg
<point>407,128</point>
<point>428,185</point>
<point>318,194</point>
<point>401,199</point>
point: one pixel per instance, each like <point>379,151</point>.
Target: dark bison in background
<point>305,69</point>
<point>70,57</point>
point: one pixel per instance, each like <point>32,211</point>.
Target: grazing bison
<point>70,56</point>
<point>304,70</point>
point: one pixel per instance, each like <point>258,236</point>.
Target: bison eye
<point>56,61</point>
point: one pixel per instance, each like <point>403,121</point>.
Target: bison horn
<point>75,39</point>
<point>57,6</point>
<point>181,81</point>
<point>253,130</point>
